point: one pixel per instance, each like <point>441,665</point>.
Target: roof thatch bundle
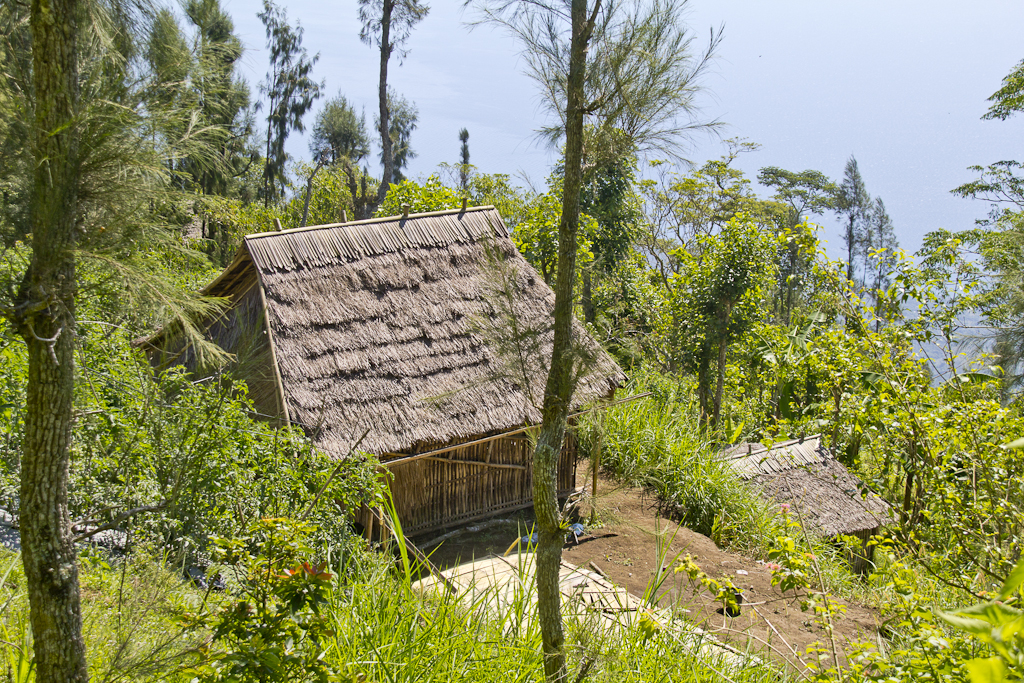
<point>425,330</point>
<point>802,474</point>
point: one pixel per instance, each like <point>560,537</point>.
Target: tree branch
<point>120,518</point>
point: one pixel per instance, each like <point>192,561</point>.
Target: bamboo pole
<point>595,467</point>
<point>273,351</point>
<point>477,463</point>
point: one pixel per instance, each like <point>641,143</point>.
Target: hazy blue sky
<point>900,84</point>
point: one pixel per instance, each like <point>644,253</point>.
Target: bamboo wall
<point>470,483</point>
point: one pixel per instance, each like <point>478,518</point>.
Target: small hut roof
<point>803,474</point>
<point>404,326</point>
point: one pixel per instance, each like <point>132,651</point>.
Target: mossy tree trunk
<point>45,316</point>
<point>560,384</point>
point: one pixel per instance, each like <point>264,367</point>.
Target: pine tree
<point>464,156</point>
<point>222,98</point>
<point>880,254</point>
<point>854,205</point>
<point>290,91</point>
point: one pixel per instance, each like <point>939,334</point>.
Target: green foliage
<point>536,236</point>
<point>1000,626</point>
<point>338,134</point>
<point>143,623</point>
<point>276,627</point>
<point>722,589</point>
<point>497,190</point>
<point>682,208</point>
<point>128,612</point>
<point>432,195</point>
<point>715,296</point>
<point>330,195</point>
<point>402,119</point>
<point>189,455</point>
<point>654,441</point>
<point>1009,99</point>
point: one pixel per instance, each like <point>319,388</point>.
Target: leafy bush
<point>274,627</point>
<point>187,456</point>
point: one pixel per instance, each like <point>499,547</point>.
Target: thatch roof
<point>403,326</point>
<point>803,474</point>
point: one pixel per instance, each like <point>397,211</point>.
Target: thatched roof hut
<point>820,490</point>
<point>413,329</point>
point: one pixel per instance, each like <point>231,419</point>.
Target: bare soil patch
<point>625,550</point>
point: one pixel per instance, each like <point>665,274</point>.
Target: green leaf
<point>976,376</point>
<point>871,380</point>
<point>1016,577</point>
<point>1014,445</point>
<point>992,612</point>
<point>973,626</point>
<point>991,670</point>
<point>735,435</point>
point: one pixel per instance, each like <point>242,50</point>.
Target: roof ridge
<point>369,221</point>
<point>767,449</point>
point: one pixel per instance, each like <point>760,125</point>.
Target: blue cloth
<point>575,531</point>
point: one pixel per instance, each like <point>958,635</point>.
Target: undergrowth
<point>378,627</point>
<point>656,442</point>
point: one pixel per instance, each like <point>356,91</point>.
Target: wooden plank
<point>402,458</point>
<point>478,463</point>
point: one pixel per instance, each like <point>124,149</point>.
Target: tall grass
<point>389,633</point>
<point>656,442</point>
<point>383,631</point>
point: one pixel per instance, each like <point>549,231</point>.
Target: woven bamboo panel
<point>475,482</point>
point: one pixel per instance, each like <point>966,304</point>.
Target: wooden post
<point>277,224</point>
<point>595,467</point>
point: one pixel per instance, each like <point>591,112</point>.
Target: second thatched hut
<point>818,489</point>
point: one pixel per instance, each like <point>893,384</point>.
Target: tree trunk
<point>559,389</point>
<point>309,193</point>
<point>723,347</point>
<point>587,298</point>
<point>704,381</point>
<point>267,176</point>
<point>851,246</point>
<point>387,153</point>
<point>45,317</point>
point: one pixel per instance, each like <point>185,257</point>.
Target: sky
<point>902,85</point>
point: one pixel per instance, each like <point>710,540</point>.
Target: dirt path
<point>625,550</point>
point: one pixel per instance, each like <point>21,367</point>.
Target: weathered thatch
<point>422,332</point>
<point>802,474</point>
